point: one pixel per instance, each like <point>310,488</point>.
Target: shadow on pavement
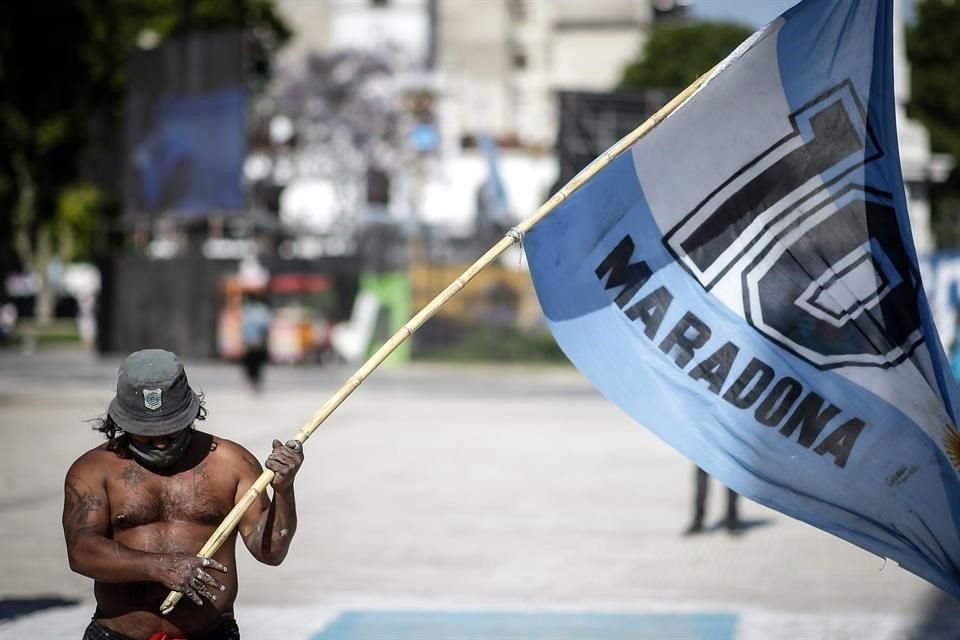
<point>940,621</point>
<point>15,607</point>
<point>743,525</point>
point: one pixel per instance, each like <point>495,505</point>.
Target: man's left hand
<point>284,461</point>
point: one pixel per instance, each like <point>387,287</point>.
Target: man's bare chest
<point>139,497</point>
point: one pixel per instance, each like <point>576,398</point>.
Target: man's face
<point>160,451</point>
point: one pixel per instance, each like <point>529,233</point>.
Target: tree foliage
<point>933,49</point>
<point>677,54</point>
<point>58,65</point>
<point>63,68</point>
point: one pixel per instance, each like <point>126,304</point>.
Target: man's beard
<point>159,458</point>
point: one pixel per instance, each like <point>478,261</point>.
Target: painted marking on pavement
<point>443,625</point>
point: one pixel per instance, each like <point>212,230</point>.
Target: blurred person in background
<point>138,507</point>
<point>731,521</point>
<point>255,327</point>
<point>8,321</point>
<point>87,319</point>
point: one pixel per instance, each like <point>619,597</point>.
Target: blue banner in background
<point>743,283</point>
<point>187,126</point>
<point>189,160</point>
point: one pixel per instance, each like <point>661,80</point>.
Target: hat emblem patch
<point>153,398</point>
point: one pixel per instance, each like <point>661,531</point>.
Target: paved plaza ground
<point>445,502</point>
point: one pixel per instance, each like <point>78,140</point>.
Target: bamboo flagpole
<point>512,237</point>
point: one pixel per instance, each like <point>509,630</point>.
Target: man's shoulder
<point>229,448</point>
<point>235,455</point>
<point>96,461</point>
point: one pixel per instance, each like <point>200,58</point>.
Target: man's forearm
<point>106,560</point>
<point>277,528</point>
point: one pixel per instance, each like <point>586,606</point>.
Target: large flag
<point>742,281</point>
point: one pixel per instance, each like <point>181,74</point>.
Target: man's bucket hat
<point>153,395</point>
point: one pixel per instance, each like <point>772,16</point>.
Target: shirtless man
<point>138,508</point>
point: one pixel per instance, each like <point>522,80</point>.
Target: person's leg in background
<point>699,502</point>
<point>732,521</point>
<point>253,361</point>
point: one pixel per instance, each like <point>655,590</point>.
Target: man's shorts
<point>227,630</point>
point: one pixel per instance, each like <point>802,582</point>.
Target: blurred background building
<point>349,158</point>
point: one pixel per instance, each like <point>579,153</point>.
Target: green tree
<point>62,68</point>
<point>78,208</point>
<point>933,49</point>
<point>58,65</point>
<point>677,54</point>
<point>266,28</point>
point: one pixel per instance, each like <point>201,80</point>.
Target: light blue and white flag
<point>743,282</point>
